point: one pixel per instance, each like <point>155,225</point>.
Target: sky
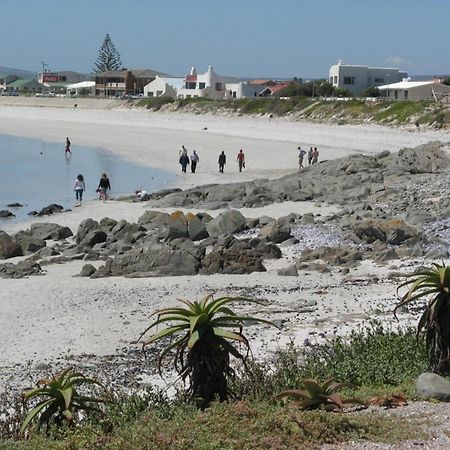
<point>246,38</point>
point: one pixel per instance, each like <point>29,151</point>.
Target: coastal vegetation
<point>339,111</point>
<point>149,419</point>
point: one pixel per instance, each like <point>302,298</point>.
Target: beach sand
<point>48,318</point>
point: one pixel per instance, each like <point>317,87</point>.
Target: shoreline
<point>59,316</point>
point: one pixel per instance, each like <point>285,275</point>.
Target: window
<point>406,94</point>
<point>201,85</point>
<point>234,94</point>
<point>158,93</point>
<point>191,85</point>
<point>335,79</point>
<point>349,80</point>
<point>396,94</point>
<point>219,86</point>
<point>379,80</point>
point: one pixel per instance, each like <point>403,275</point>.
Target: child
<point>79,188</point>
<point>103,187</point>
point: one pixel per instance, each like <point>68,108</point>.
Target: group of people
<point>103,186</point>
<point>194,159</point>
<point>313,156</point>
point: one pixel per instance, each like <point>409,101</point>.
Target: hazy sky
<point>283,38</point>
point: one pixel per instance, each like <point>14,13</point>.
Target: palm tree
<point>202,344</point>
<point>435,320</point>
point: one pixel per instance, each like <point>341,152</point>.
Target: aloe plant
<point>204,336</point>
<point>315,395</point>
<point>58,399</point>
<point>433,283</point>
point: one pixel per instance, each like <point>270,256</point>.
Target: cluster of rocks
<point>158,244</point>
<point>389,218</point>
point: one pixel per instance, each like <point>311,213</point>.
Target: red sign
<point>50,78</point>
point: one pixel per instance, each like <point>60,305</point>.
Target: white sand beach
<point>44,319</point>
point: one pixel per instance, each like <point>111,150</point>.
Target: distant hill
<point>26,74</point>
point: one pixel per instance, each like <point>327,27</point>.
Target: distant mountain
<point>26,74</point>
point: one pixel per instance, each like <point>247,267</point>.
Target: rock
<point>14,205</point>
<point>107,224</point>
<point>29,243</point>
<point>307,219</point>
<point>430,385</point>
<point>4,213</point>
<point>93,237</point>
<point>228,222</point>
<point>50,209</point>
<point>33,213</point>
<point>20,270</point>
<point>87,270</point>
<point>154,258</point>
<point>275,232</point>
<point>47,231</point>
<point>8,247</point>
<point>397,231</point>
<point>46,252</point>
<point>290,271</point>
<point>196,228</point>
<point>177,226</point>
<point>154,217</point>
<point>84,228</point>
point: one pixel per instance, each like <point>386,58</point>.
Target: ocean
<point>36,173</point>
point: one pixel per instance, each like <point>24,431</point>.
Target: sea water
<point>36,173</point>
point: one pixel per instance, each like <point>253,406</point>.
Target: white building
<point>163,87</point>
<point>242,90</point>
<point>82,88</point>
<point>357,79</point>
<point>208,84</point>
<point>416,90</point>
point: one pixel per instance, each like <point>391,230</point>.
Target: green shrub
<point>155,103</point>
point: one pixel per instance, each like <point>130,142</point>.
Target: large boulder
<point>196,228</point>
<point>47,231</point>
<point>93,237</point>
<point>4,213</point>
<point>84,228</point>
<point>50,209</point>
<point>394,231</point>
<point>8,247</point>
<point>228,222</point>
<point>275,232</point>
<point>432,386</point>
<point>154,258</point>
<point>29,243</point>
<point>20,270</point>
<point>177,226</point>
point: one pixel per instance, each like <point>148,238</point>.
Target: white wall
<point>357,79</point>
<point>242,90</point>
<point>424,92</point>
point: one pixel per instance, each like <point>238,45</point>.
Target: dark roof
<point>20,83</point>
<point>138,73</point>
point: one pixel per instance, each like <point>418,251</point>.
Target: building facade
<point>416,90</point>
<point>208,84</point>
<point>163,87</point>
<point>357,79</point>
<point>118,83</point>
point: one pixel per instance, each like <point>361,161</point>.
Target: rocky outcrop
<point>228,222</point>
<point>20,270</point>
<point>8,247</point>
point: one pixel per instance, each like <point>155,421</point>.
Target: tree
<point>202,334</point>
<point>325,89</point>
<point>446,81</point>
<point>433,283</point>
<point>108,57</point>
<point>371,92</point>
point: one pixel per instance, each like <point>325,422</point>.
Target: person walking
<point>194,161</point>
<point>241,160</point>
<point>183,151</point>
<point>310,155</point>
<point>103,187</point>
<point>315,156</point>
<point>301,154</point>
<point>67,149</point>
<point>184,161</point>
<point>79,188</point>
<point>222,161</point>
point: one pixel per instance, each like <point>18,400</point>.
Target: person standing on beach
<point>241,160</point>
<point>103,187</point>
<point>184,161</point>
<point>68,144</point>
<point>222,161</point>
<point>79,188</point>
<point>301,154</point>
<point>315,156</point>
<point>310,155</point>
<point>194,161</point>
<point>183,151</point>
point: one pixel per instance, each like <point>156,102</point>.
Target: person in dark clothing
<point>103,187</point>
<point>67,149</point>
<point>184,161</point>
<point>194,161</point>
<point>222,161</point>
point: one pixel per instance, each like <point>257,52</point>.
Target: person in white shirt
<point>79,188</point>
